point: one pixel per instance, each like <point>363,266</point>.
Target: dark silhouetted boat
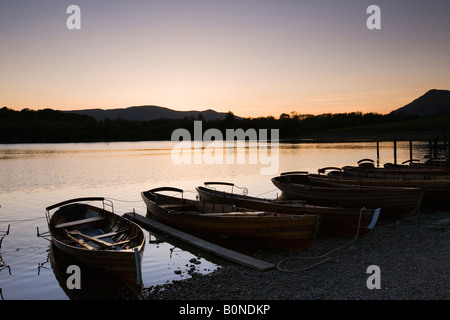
<point>436,185</point>
<point>335,220</point>
<point>320,190</point>
<point>218,220</point>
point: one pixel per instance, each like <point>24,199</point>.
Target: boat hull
<point>335,220</point>
<point>398,202</point>
<point>122,260</point>
<point>202,218</point>
<point>119,263</point>
<point>436,187</point>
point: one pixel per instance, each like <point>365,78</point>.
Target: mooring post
<point>395,151</point>
<point>435,147</point>
<point>410,151</point>
<point>448,153</point>
<point>378,152</point>
<point>431,149</point>
<point>445,144</point>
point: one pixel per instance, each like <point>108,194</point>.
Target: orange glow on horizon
<point>366,102</point>
<point>256,61</point>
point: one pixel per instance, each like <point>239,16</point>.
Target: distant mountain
<point>434,101</point>
<point>146,113</point>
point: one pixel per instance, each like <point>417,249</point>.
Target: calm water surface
<point>34,176</point>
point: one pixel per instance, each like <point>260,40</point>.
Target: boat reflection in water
<point>3,265</point>
<point>95,284</point>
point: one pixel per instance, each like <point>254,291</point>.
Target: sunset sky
<point>251,57</point>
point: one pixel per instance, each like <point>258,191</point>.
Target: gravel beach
<point>412,254</point>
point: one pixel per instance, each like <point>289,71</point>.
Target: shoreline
<point>324,137</point>
<point>413,256</point>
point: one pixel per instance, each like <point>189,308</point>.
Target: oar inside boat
<point>97,240</point>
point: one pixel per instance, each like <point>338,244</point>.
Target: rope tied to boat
<point>244,190</point>
<point>274,190</point>
<point>323,255</point>
<point>22,220</point>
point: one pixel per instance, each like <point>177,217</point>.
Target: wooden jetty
<point>222,252</point>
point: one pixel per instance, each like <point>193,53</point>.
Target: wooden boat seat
<point>79,222</point>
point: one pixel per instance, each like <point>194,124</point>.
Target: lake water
<point>34,176</point>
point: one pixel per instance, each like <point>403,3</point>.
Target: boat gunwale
<point>101,211</point>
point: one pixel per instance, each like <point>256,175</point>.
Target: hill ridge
<point>148,112</point>
<point>433,101</point>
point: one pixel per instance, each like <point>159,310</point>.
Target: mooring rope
<point>22,220</point>
<point>321,256</point>
<point>266,192</point>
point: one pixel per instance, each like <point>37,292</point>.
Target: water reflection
<point>184,259</point>
<point>95,284</point>
<point>3,234</point>
<point>3,265</point>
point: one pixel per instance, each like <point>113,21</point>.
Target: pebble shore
<point>412,254</point>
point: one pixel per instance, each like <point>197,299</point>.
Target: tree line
<point>48,126</point>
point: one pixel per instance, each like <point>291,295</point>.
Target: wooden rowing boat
<point>204,218</point>
<point>436,186</point>
<point>335,220</point>
<point>97,237</point>
<point>393,201</point>
<point>366,167</point>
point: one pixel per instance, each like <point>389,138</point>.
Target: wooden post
<point>445,144</point>
<point>410,151</point>
<point>431,149</point>
<point>448,153</point>
<point>395,151</point>
<point>435,147</point>
<point>378,152</point>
